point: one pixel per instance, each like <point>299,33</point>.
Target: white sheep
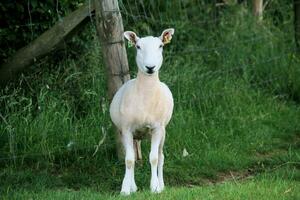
<point>144,102</point>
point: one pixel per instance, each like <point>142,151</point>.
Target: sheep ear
<point>131,37</point>
<point>166,35</point>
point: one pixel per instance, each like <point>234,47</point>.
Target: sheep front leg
<point>128,184</point>
<point>161,162</point>
<point>156,138</point>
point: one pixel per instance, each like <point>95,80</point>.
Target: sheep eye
<point>160,46</point>
<point>138,47</point>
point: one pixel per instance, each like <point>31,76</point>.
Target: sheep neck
<point>146,83</point>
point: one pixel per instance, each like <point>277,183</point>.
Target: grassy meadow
<point>236,88</point>
<point>264,187</point>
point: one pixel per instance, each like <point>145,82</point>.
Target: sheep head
<point>149,56</point>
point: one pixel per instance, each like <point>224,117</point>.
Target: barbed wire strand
<point>125,13</point>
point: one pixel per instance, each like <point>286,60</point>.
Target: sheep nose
<point>150,67</point>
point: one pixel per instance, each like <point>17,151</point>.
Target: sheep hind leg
<point>128,184</point>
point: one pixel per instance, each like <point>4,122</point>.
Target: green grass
<point>236,88</point>
<point>267,186</point>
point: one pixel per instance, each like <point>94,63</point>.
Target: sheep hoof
<point>133,188</point>
<point>125,193</point>
<point>155,186</point>
<point>126,187</point>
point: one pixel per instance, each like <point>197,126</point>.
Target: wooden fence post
<point>110,30</point>
<point>297,23</point>
<point>258,9</point>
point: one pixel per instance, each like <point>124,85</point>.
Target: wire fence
<point>137,12</point>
